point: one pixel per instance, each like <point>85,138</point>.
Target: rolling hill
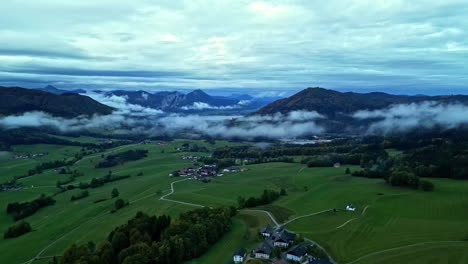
<point>16,100</point>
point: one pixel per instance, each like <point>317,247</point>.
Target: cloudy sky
<point>417,46</point>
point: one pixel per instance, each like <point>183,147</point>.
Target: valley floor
<point>391,225</point>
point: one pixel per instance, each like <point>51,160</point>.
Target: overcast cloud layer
<point>289,44</point>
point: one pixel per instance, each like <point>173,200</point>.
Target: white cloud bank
<point>405,117</point>
<point>137,119</point>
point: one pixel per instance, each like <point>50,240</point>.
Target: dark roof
<point>298,250</point>
<point>266,229</point>
<point>240,252</point>
<point>284,236</point>
<point>264,247</point>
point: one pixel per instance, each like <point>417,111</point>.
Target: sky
<point>397,46</point>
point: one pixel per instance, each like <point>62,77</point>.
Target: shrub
<point>17,230</point>
<point>119,203</point>
<point>426,185</point>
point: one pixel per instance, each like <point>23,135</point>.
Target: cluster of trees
<point>155,239</point>
<point>49,165</point>
<point>194,148</point>
<point>266,160</point>
<point>275,152</point>
<point>81,195</point>
<point>17,230</point>
<point>220,163</point>
<point>267,197</point>
<point>25,209</point>
<point>73,175</point>
<point>97,182</point>
<point>120,158</point>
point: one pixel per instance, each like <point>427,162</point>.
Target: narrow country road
<point>163,198</point>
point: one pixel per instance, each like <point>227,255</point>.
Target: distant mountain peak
<point>198,92</point>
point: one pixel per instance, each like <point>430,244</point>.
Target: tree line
<point>267,197</point>
<point>155,239</point>
<point>25,209</point>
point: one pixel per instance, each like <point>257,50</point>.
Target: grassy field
<point>387,218</point>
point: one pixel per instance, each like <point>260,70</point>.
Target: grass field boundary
<point>402,247</point>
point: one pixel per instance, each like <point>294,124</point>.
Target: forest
<point>155,239</point>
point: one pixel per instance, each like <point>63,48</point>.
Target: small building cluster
<point>192,158</point>
<point>27,156</point>
<point>10,187</point>
<point>105,141</point>
<point>203,173</point>
<point>282,240</point>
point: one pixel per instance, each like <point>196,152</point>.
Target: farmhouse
<point>231,169</point>
<point>239,255</point>
<point>297,253</point>
<point>266,231</point>
<point>350,207</point>
<point>283,238</point>
<point>263,251</point>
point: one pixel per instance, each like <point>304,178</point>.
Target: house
<point>337,165</point>
<point>297,253</point>
<point>266,231</point>
<point>239,255</point>
<point>231,169</point>
<point>263,251</point>
<point>283,238</point>
<point>314,260</point>
<point>350,207</point>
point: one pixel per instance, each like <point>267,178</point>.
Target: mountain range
<point>16,100</point>
<point>55,90</point>
<point>197,100</point>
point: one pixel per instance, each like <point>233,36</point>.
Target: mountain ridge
<point>334,103</point>
<point>17,100</point>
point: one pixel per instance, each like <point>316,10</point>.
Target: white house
<point>350,207</point>
<point>239,255</point>
<point>297,253</point>
<point>283,238</point>
<point>266,231</point>
<point>263,251</point>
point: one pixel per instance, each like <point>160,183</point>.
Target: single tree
<point>115,193</point>
<point>119,203</point>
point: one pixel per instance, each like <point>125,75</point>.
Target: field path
<point>163,198</point>
<point>345,223</point>
<point>302,216</point>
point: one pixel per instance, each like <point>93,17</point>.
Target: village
<point>280,246</point>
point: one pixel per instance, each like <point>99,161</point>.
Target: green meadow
<point>390,224</point>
